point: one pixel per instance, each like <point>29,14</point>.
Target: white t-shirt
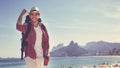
<point>38,42</point>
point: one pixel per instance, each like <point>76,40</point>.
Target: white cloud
<point>112,11</point>
<point>109,9</point>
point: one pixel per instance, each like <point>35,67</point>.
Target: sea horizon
<point>64,62</point>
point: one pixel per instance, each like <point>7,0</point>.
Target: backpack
<point>24,36</point>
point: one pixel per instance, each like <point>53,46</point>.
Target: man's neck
<point>35,24</point>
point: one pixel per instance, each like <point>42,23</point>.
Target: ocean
<point>64,62</point>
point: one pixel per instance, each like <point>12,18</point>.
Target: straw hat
<point>34,9</point>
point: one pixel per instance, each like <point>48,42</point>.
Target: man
<point>37,41</point>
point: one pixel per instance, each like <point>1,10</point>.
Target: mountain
<point>99,48</point>
<point>102,48</point>
<point>73,49</point>
<point>57,47</point>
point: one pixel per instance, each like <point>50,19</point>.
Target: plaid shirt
<point>32,38</point>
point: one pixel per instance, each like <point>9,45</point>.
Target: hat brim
<point>34,12</point>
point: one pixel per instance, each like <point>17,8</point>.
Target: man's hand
<point>19,21</point>
<point>23,12</point>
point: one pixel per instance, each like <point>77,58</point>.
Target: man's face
<point>34,16</point>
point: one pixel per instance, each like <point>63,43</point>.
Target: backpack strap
<point>27,31</point>
<point>23,42</point>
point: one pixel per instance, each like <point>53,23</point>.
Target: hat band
<point>33,10</point>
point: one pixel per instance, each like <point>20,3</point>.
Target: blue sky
<point>79,20</point>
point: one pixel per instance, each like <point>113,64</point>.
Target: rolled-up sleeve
<point>21,28</point>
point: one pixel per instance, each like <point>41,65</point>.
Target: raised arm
<point>19,21</point>
<point>19,25</point>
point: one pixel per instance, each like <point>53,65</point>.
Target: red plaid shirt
<point>32,38</point>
